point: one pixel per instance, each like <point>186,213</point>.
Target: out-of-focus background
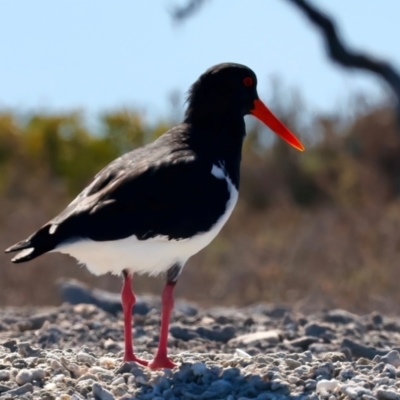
<point>83,82</point>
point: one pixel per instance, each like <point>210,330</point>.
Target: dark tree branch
<point>183,12</point>
<point>336,48</point>
<point>342,55</point>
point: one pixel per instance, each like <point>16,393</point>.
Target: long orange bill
<point>261,111</point>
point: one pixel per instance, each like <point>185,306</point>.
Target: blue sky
<point>101,55</point>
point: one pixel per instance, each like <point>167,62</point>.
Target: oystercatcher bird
<point>154,207</point>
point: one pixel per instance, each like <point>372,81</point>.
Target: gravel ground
<point>261,352</point>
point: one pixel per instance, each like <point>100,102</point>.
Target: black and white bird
<point>153,208</point>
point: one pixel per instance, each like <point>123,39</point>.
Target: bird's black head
<point>226,88</point>
<point>227,92</point>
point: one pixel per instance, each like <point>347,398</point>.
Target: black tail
<point>42,241</point>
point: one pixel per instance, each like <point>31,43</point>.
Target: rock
<point>85,358</point>
<point>281,386</point>
<point>392,358</point>
<point>119,390</point>
<point>24,376</point>
<point>324,371</point>
<point>219,319</point>
<point>379,381</point>
<point>38,374</point>
<point>272,311</point>
<point>392,325</point>
<point>19,363</point>
<point>10,344</point>
<point>56,365</point>
<point>242,353</point>
<point>4,376</point>
<point>75,370</point>
<point>126,367</point>
<point>27,388</point>
<point>224,315</point>
<point>97,370</point>
<point>387,394</point>
<point>84,387</point>
<point>186,308</point>
<point>217,334</point>
<point>217,389</point>
<point>293,379</point>
<point>292,364</point>
<point>339,316</point>
<point>33,323</point>
<point>110,345</point>
<point>141,379</point>
<point>360,350</point>
<point>90,376</point>
<point>354,391</point>
<point>199,368</point>
<point>51,334</point>
<point>26,350</point>
<point>75,292</point>
<point>107,362</point>
<point>334,356</point>
<point>230,373</point>
<point>316,329</point>
<point>179,332</point>
<point>390,370</point>
<point>103,377</point>
<point>118,381</point>
<point>376,318</point>
<point>4,388</point>
<point>9,358</point>
<point>272,336</point>
<point>4,327</point>
<point>38,320</point>
<point>310,384</point>
<point>303,342</point>
<point>327,385</point>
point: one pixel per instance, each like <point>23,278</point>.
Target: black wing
<point>143,194</point>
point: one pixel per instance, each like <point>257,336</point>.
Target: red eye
<point>248,81</point>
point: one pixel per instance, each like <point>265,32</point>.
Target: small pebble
<point>199,368</point>
<point>85,358</point>
<point>102,394</point>
<point>4,375</point>
<point>326,385</point>
<point>118,381</point>
<point>107,362</point>
<point>24,376</point>
<point>387,394</point>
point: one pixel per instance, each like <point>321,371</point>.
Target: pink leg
<point>161,360</point>
<point>128,301</point>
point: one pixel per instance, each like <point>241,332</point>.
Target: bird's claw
<point>133,358</point>
<point>161,362</point>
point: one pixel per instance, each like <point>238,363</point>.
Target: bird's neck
<point>220,141</point>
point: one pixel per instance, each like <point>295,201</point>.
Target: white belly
<point>150,256</point>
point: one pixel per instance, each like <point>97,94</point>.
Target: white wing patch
<point>23,253</point>
<point>53,229</point>
<point>218,172</point>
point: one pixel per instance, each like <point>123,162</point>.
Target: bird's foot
<point>161,362</point>
<point>132,357</point>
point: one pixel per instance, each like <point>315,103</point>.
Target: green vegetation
<point>61,147</point>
